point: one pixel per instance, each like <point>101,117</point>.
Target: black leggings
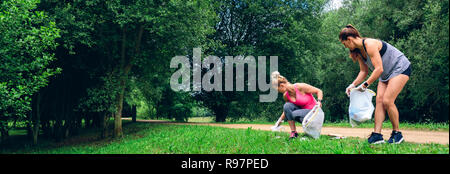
<point>293,112</point>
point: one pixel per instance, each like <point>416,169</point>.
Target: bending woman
<point>299,100</point>
<point>389,66</point>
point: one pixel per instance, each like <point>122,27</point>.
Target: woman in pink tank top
<point>299,100</point>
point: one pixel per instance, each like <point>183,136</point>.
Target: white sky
<point>333,4</point>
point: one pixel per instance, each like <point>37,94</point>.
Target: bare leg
<point>394,87</point>
<point>292,125</point>
<point>380,112</point>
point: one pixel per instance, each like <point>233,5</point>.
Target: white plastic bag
<point>313,121</point>
<point>361,107</point>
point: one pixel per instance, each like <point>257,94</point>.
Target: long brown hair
<point>349,30</point>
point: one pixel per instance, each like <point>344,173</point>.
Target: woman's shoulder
<point>300,85</point>
<point>369,42</point>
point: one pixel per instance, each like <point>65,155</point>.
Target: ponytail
<point>350,31</point>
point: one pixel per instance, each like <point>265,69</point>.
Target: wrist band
<point>366,84</point>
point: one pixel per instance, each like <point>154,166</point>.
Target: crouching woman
<point>299,100</point>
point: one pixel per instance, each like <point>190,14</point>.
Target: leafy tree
<point>27,39</point>
<point>130,38</point>
<point>426,96</point>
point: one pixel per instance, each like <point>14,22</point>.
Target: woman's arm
<point>282,116</point>
<point>280,119</point>
<point>375,57</point>
<point>306,88</point>
<point>363,71</point>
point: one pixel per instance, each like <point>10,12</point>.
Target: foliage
<point>27,41</point>
<point>113,42</point>
<point>101,98</point>
<point>426,95</point>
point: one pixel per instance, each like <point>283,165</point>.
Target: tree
<point>129,38</point>
<point>27,39</point>
<point>427,47</point>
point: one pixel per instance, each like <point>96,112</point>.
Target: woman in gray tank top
<point>389,66</point>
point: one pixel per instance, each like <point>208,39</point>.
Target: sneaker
<point>376,138</point>
<point>396,137</point>
<point>294,134</point>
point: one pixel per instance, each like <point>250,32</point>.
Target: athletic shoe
<point>396,137</point>
<point>375,138</point>
<point>294,134</point>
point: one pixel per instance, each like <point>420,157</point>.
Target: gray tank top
<point>394,61</point>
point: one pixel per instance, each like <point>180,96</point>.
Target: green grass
<point>145,138</point>
<point>343,123</point>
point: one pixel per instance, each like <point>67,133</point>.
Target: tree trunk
<point>125,69</point>
<point>133,113</point>
<point>125,66</point>
<point>36,120</point>
<point>118,114</point>
<point>119,97</point>
<point>105,123</point>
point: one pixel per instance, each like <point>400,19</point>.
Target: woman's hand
<point>362,87</point>
<point>349,88</point>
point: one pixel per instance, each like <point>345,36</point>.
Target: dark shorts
<point>407,71</point>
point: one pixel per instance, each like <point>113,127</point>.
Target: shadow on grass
<point>20,142</point>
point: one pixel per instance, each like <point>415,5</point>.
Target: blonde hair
<point>277,79</point>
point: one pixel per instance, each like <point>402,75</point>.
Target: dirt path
<point>412,136</point>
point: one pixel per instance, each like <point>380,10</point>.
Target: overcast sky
<point>333,4</point>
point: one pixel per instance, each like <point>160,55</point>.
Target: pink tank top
<point>304,101</point>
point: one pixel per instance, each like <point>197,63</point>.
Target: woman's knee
<point>379,100</point>
<point>288,107</point>
<point>387,102</point>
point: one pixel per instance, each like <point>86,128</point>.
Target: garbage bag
<point>361,107</point>
<point>313,121</point>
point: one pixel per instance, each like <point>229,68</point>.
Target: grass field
<point>145,138</point>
